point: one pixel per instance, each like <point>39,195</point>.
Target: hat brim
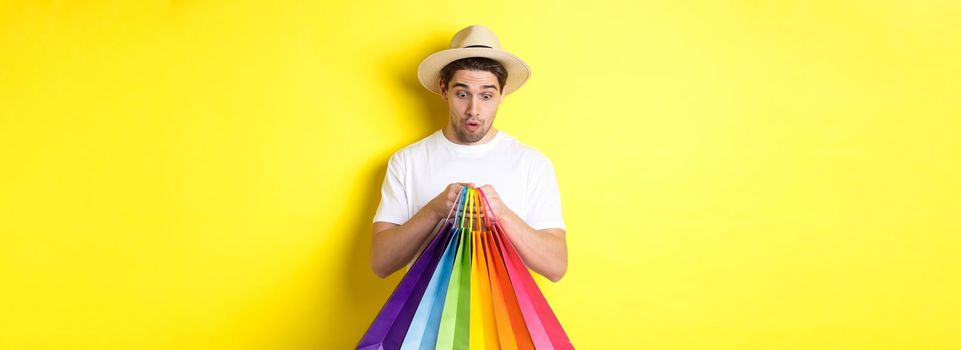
<point>429,70</point>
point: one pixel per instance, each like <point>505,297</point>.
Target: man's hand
<point>442,205</point>
<point>497,206</point>
<point>394,245</point>
<point>544,251</point>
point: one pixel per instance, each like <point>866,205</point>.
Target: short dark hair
<point>476,64</point>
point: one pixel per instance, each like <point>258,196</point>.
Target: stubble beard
<point>466,137</point>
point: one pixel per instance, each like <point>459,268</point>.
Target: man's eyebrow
<point>482,87</point>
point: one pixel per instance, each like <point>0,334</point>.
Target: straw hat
<point>473,41</point>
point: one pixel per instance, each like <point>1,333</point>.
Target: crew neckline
<point>470,149</point>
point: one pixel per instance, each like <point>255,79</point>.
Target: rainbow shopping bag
<point>468,289</point>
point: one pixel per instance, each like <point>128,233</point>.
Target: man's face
<point>473,98</point>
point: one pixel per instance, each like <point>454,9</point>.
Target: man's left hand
<point>496,205</point>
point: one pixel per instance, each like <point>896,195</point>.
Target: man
<point>472,77</point>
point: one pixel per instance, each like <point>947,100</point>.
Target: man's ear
<point>443,89</point>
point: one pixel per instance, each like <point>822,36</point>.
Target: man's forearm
<point>394,247</point>
<point>544,251</point>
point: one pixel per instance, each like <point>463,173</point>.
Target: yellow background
<point>734,174</point>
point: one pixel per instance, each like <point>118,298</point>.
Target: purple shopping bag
<point>387,331</point>
<point>389,328</point>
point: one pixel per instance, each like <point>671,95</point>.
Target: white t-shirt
<point>522,176</point>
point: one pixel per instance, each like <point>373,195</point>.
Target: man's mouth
<point>472,126</point>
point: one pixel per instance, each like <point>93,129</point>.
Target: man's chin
<point>471,138</point>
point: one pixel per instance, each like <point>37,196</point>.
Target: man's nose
<point>473,109</point>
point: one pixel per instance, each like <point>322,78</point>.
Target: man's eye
<point>487,97</point>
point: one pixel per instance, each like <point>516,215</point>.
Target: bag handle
<point>457,204</point>
<point>467,209</point>
<point>472,201</point>
<point>482,211</point>
<point>463,212</point>
<point>488,205</point>
<point>479,210</point>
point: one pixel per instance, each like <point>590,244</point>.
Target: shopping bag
<point>454,330</point>
<point>392,323</point>
<point>468,289</point>
<point>422,333</point>
<point>483,327</point>
<point>541,322</point>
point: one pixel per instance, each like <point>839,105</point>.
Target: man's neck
<point>452,136</point>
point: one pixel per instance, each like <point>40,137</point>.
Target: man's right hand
<point>441,205</point>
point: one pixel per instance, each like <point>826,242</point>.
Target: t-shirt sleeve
<point>544,198</point>
<point>394,207</point>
